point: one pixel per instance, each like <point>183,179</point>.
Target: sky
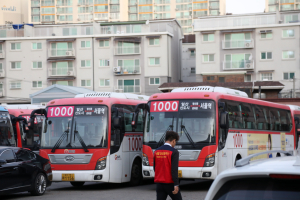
<point>244,6</point>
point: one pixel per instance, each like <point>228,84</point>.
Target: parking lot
<point>191,190</point>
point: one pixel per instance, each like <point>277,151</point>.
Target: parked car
<point>22,170</point>
<point>267,179</point>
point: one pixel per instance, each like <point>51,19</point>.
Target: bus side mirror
<point>134,119</point>
<point>30,123</point>
<point>224,120</point>
<point>117,122</point>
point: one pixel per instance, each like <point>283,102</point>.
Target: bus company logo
<point>69,158</point>
<point>11,8</point>
<point>117,157</point>
<point>66,151</point>
<point>238,140</point>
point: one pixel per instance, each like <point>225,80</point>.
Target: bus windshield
<point>6,131</point>
<point>194,120</point>
<point>74,126</point>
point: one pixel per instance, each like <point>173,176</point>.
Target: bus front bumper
<point>80,175</point>
<point>187,172</point>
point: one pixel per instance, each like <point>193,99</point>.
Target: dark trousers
<point>163,190</point>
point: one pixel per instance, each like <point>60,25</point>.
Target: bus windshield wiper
<point>187,134</point>
<point>61,139</point>
<point>80,139</point>
<point>162,139</point>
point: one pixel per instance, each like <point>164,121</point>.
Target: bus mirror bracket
<point>117,122</point>
<point>138,107</point>
<point>224,120</point>
<point>32,116</point>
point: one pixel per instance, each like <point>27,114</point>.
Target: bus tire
<point>136,173</point>
<point>278,155</point>
<point>77,184</point>
<point>238,157</point>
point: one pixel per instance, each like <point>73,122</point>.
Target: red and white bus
<point>296,116</point>
<point>217,126</point>
<point>90,138</point>
<point>25,138</point>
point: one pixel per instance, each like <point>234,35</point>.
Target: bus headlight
<point>101,163</point>
<point>209,160</point>
<point>145,160</point>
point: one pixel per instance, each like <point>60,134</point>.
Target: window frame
<point>289,75</point>
<point>208,37</point>
<point>282,35</point>
<point>15,62</point>
<point>17,88</point>
<point>36,46</point>
<point>104,82</point>
<point>154,42</point>
<point>37,83</point>
<point>289,57</point>
<point>261,76</point>
<point>37,65</point>
<point>155,65</point>
<point>154,78</point>
<point>15,44</point>
<point>85,80</point>
<point>105,61</point>
<point>85,67</point>
<point>208,58</point>
<point>104,43</point>
<point>266,38</point>
<point>85,41</point>
<point>266,52</point>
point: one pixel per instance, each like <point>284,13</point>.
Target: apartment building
<point>188,70</point>
<point>14,11</point>
<point>109,56</point>
<point>282,5</point>
<point>76,11</point>
<point>250,48</point>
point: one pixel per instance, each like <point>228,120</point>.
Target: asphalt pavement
<point>191,190</point>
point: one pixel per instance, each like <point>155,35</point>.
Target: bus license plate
<point>179,173</point>
<point>68,177</point>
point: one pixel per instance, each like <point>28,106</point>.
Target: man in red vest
<point>165,165</point>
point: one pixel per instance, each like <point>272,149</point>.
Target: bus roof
<point>293,107</point>
<point>23,106</point>
<point>93,101</point>
<point>18,112</point>
<point>114,95</point>
<point>3,109</point>
<point>212,89</point>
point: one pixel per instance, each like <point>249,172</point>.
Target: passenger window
<point>140,122</point>
<point>8,156</point>
<point>261,122</point>
<point>267,117</point>
<point>274,119</point>
<point>23,155</point>
<point>284,120</point>
<point>248,118</point>
<point>235,119</point>
<point>128,113</point>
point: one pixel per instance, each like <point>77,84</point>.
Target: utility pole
<point>294,89</point>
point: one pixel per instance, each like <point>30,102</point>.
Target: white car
<point>267,179</point>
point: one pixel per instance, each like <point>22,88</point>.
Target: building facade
<point>77,11</point>
<point>249,48</point>
<point>188,70</point>
<point>14,11</point>
<point>282,5</point>
<point>117,57</point>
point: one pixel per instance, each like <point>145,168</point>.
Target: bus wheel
<point>77,184</point>
<point>278,155</point>
<point>136,174</point>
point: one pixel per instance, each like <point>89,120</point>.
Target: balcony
<point>145,2</point>
<point>35,4</point>
<point>101,2</point>
<point>236,65</point>
<point>48,3</point>
<point>85,3</point>
<point>55,72</point>
<point>129,70</point>
<point>238,44</point>
<point>115,1</point>
<point>128,89</point>
<point>2,73</point>
<point>2,54</point>
<point>127,50</point>
<point>61,53</point>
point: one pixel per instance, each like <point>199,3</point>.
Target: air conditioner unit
<point>71,73</point>
<point>69,53</point>
<point>116,69</point>
<point>119,90</point>
<point>135,71</point>
<point>1,55</point>
<point>78,19</point>
<point>248,65</point>
<point>247,44</point>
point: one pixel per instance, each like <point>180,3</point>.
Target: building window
<point>288,33</point>
<point>15,46</point>
<point>66,83</point>
<point>237,40</point>
<point>210,78</point>
<point>104,63</point>
<point>129,85</point>
<point>37,84</point>
<point>154,61</point>
<point>290,18</point>
<point>36,45</point>
<point>128,48</point>
<point>288,75</point>
<point>247,78</point>
<point>221,79</point>
<point>89,30</point>
<point>1,67</point>
<point>85,63</point>
<point>15,85</point>
<point>104,43</point>
<point>154,81</point>
<point>104,82</point>
<point>192,53</point>
<point>85,44</point>
<point>69,31</point>
<point>266,55</point>
<point>266,76</point>
<point>238,61</point>
<point>208,57</point>
<point>15,65</point>
<point>208,37</point>
<point>85,83</point>
<point>288,54</point>
<point>193,70</point>
<point>266,35</point>
<point>129,66</point>
<point>62,69</point>
<point>153,41</point>
<point>37,65</point>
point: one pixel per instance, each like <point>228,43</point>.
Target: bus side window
<point>261,122</point>
<point>235,118</point>
<point>140,122</point>
<point>274,120</point>
<point>284,121</point>
<point>267,117</point>
<point>248,116</point>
